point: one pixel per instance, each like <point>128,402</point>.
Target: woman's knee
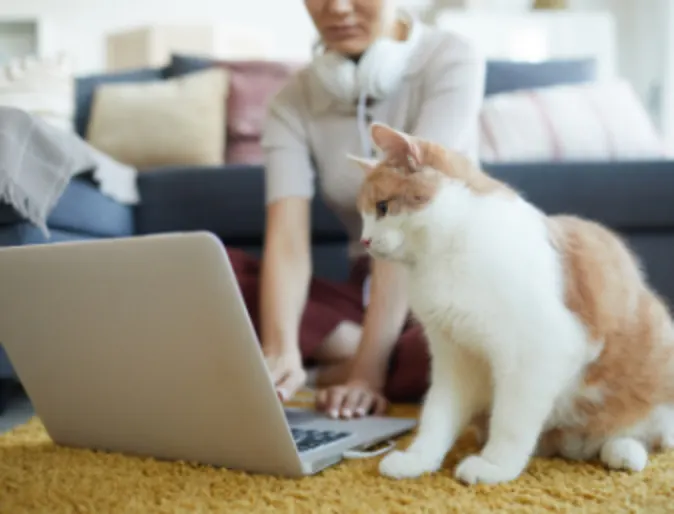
<point>341,344</point>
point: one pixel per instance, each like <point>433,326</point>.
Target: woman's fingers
<point>336,396</point>
<point>286,373</point>
<point>352,400</point>
<point>322,399</point>
<point>291,382</point>
<point>275,371</point>
<point>380,404</point>
<point>365,405</point>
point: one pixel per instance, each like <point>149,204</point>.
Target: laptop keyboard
<point>307,439</point>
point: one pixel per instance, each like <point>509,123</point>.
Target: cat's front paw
<point>478,470</point>
<point>406,465</point>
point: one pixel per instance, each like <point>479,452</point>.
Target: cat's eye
<point>381,208</point>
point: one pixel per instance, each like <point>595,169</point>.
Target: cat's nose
<point>366,242</point>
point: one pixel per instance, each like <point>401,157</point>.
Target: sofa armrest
<point>226,200</point>
<point>626,196</point>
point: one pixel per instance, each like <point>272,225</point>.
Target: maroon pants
<point>330,303</point>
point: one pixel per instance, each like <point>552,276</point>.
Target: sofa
<point>633,197</point>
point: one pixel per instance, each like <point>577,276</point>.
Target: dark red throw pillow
<point>252,86</point>
<point>244,151</point>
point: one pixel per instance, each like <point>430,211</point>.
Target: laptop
<point>143,346</point>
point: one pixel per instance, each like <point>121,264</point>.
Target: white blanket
<point>37,160</point>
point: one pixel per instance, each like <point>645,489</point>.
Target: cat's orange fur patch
<point>409,189</point>
<point>604,287</point>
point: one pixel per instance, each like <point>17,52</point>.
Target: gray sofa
<point>634,198</point>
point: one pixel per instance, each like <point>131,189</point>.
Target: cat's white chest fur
<point>480,286</point>
<point>446,302</point>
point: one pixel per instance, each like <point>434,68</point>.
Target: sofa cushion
<point>82,209</point>
<point>503,76</point>
<point>177,121</point>
<point>85,88</point>
<point>245,150</point>
<point>24,233</point>
<point>626,196</point>
<point>601,121</point>
<point>252,86</point>
<point>228,201</point>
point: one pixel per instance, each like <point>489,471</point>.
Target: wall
<point>668,76</point>
<point>538,36</point>
<point>642,28</point>
<point>79,27</point>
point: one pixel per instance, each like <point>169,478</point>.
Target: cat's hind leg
<point>624,453</point>
<point>667,428</point>
<point>630,450</point>
<point>455,395</point>
<point>667,442</point>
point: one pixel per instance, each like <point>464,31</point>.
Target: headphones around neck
<point>378,72</point>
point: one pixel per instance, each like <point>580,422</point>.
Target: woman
<point>373,65</point>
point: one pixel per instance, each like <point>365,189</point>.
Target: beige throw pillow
<point>178,121</point>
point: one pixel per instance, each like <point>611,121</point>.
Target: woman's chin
<point>350,48</point>
<point>384,255</point>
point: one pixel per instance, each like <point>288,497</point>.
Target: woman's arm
<point>286,271</point>
<point>385,316</point>
<point>384,319</point>
<point>286,261</point>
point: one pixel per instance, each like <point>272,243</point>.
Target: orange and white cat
<point>543,324</point>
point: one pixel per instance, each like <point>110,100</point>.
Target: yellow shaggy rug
<point>38,477</point>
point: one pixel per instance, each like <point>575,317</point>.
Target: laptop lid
<point>143,345</point>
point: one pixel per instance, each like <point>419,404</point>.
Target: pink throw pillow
<point>253,84</point>
<point>244,151</point>
<point>595,121</point>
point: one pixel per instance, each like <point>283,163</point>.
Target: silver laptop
<point>143,346</point>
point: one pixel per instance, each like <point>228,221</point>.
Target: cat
<point>543,325</point>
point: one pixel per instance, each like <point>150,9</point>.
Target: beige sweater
<point>308,134</point>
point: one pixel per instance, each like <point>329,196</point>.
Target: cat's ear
<point>396,145</point>
<point>366,164</point>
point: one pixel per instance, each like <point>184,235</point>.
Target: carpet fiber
<point>37,476</point>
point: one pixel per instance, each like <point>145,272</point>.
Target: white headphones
<point>378,72</point>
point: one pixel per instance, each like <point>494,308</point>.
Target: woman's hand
<point>286,270</point>
<point>362,394</point>
<point>355,398</point>
<point>287,373</point>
